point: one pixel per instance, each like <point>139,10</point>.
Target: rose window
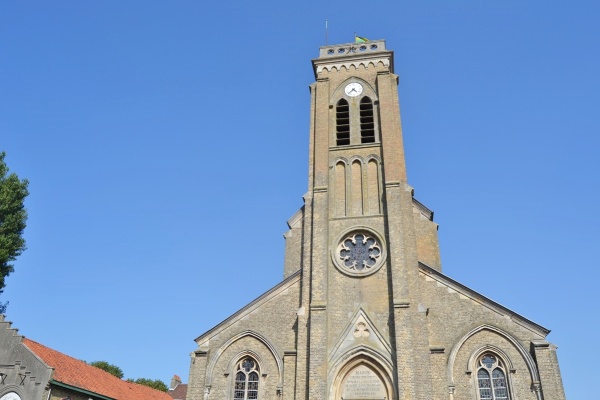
<point>359,252</point>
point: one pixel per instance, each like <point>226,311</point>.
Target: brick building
<point>364,310</point>
<point>32,371</point>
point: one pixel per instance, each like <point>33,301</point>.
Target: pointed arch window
<point>342,120</point>
<point>491,378</point>
<point>246,380</point>
<point>367,122</point>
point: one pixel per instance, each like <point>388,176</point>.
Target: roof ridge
<point>73,358</point>
<point>78,374</point>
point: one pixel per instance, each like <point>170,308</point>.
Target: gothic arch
<point>373,184</point>
<point>14,389</point>
<point>213,362</point>
<point>338,93</point>
<point>355,358</point>
<point>340,181</point>
<point>492,349</point>
<point>373,157</point>
<point>231,371</point>
<point>338,160</point>
<point>531,366</point>
<point>506,366</point>
<point>245,353</point>
<point>357,158</point>
<point>357,181</point>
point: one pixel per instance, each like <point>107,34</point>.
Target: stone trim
<point>354,146</point>
<point>213,362</point>
<point>334,352</point>
<point>359,229</point>
<point>427,213</point>
<point>293,220</point>
<point>354,357</point>
<point>492,349</point>
<point>531,366</point>
<point>18,390</point>
<point>473,367</point>
<point>540,344</point>
<point>338,93</point>
<point>365,62</point>
<point>253,305</point>
<point>481,299</point>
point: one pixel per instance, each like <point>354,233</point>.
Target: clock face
<point>353,89</point>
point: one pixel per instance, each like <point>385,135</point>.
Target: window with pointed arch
<point>367,123</point>
<point>491,378</point>
<point>246,380</point>
<point>342,121</point>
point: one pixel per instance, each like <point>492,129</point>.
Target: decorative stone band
<point>338,66</point>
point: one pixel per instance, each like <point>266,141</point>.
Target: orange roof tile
<point>73,372</point>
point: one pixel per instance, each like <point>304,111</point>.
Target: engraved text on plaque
<point>362,383</point>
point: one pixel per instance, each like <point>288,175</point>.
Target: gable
<point>466,293</point>
<point>77,375</point>
<point>268,297</point>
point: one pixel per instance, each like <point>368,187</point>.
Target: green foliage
<point>116,371</point>
<point>153,383</point>
<point>110,368</point>
<point>13,218</point>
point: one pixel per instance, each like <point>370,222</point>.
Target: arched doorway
<point>362,379</point>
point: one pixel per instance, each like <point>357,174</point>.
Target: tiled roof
<point>77,373</point>
<point>179,392</point>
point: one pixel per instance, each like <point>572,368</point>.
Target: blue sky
<point>166,146</point>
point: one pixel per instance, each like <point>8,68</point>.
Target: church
<point>364,311</point>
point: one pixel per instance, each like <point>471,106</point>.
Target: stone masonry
<point>364,310</point>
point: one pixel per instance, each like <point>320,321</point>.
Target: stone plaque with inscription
<point>362,383</point>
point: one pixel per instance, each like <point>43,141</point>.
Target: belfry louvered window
<point>342,120</point>
<point>491,379</point>
<point>246,380</point>
<point>367,122</point>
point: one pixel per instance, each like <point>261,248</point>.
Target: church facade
<point>364,310</point>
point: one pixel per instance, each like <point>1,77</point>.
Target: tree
<point>153,383</point>
<point>13,218</point>
<point>110,368</point>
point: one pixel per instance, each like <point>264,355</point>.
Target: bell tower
<point>361,249</point>
<point>364,311</point>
